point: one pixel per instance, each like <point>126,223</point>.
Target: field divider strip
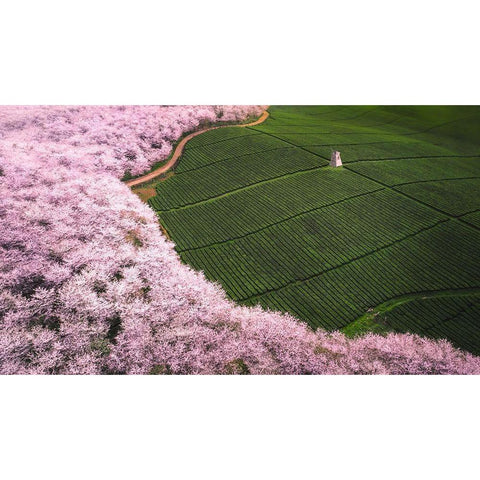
<point>449,319</point>
<point>305,148</point>
<point>359,257</point>
<point>231,158</point>
<point>297,146</point>
<point>353,144</point>
<point>241,189</point>
<point>465,222</point>
<point>415,132</point>
<point>468,213</point>
<point>436,180</point>
<point>283,220</point>
<point>452,217</point>
<point>374,126</point>
<point>406,158</point>
<point>428,129</point>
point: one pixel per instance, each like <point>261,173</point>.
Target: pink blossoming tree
<point>89,285</point>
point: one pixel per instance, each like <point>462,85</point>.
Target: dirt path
<point>179,150</point>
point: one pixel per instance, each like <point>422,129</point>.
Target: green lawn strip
<point>370,321</point>
<point>439,313</point>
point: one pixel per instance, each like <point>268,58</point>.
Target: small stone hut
<point>335,161</point>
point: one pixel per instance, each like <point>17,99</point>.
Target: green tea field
<point>390,241</point>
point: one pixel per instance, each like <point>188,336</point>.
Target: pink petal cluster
<point>89,285</point>
<point>114,139</point>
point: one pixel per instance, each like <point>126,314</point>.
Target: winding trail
<point>181,145</point>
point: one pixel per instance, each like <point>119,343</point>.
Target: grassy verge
<point>371,321</point>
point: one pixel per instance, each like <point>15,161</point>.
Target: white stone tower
<point>336,161</point>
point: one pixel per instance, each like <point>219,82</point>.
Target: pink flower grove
<point>89,285</point>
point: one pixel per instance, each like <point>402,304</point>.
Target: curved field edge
<point>164,166</point>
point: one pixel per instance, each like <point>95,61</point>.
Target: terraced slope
<point>260,211</point>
